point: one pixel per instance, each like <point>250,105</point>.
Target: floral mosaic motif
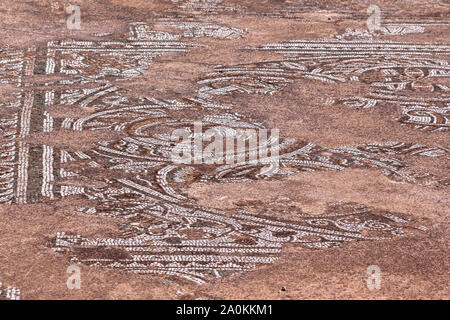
<point>166,232</point>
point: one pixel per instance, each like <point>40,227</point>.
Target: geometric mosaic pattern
<point>166,232</point>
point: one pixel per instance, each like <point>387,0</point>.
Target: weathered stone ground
<point>85,178</point>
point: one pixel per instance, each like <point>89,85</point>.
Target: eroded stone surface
<point>84,120</point>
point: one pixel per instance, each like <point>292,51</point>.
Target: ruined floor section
<point>73,127</point>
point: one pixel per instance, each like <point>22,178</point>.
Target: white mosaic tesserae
<point>166,232</point>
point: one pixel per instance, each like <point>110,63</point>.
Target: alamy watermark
<point>74,20</point>
<point>220,145</point>
<point>374,20</point>
<point>74,280</point>
<point>373,277</point>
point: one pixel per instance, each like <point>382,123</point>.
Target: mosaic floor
<point>87,85</point>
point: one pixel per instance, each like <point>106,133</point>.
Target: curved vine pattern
<point>166,232</point>
<point>413,84</point>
